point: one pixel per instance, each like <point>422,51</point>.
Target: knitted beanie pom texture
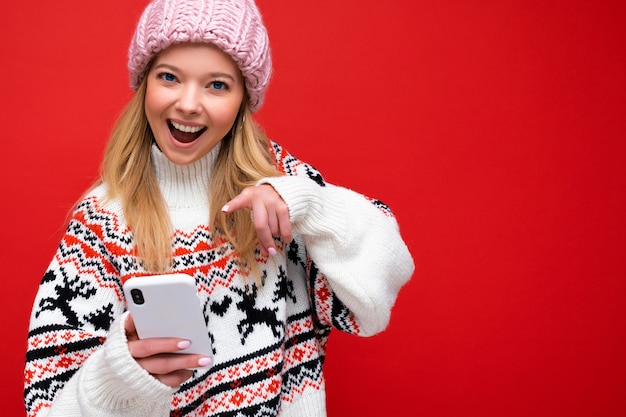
<point>234,26</point>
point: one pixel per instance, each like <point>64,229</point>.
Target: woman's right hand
<point>158,357</point>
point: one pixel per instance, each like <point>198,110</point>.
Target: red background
<point>494,129</point>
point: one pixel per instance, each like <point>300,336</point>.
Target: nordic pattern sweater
<point>343,270</point>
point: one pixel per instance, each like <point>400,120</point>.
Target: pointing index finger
<point>239,202</point>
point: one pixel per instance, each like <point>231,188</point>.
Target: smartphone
<point>168,306</point>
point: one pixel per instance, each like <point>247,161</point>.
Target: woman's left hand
<point>270,215</point>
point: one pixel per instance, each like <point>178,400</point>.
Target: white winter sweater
<point>344,269</point>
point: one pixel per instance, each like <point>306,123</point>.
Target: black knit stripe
<point>342,317</point>
<point>193,383</point>
<point>249,380</point>
<point>268,408</point>
<point>298,376</point>
<point>51,351</point>
<point>303,315</point>
<point>292,381</point>
<point>44,391</point>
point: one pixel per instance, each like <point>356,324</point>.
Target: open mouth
<point>184,133</point>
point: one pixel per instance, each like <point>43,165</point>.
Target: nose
<point>189,99</point>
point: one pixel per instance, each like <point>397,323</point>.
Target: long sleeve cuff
<point>117,382</point>
<point>112,384</point>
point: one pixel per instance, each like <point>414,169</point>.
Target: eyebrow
<point>212,74</point>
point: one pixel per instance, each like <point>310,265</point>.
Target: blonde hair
<point>243,159</point>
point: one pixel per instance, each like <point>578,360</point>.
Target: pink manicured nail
<point>205,361</point>
<point>183,344</point>
<point>225,208</point>
<point>272,251</point>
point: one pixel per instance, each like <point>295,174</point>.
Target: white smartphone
<point>168,306</point>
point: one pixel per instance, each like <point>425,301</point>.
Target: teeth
<point>187,129</point>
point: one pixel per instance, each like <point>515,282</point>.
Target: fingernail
<point>272,251</point>
<point>183,344</point>
<point>205,361</point>
<point>225,208</point>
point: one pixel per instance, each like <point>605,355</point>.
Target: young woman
<point>190,184</point>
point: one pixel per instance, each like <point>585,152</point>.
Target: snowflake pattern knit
<point>268,340</point>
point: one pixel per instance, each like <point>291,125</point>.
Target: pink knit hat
<point>235,26</point>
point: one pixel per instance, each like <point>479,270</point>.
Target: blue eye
<point>219,85</point>
<point>166,76</point>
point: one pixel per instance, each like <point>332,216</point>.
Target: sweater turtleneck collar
<point>184,186</point>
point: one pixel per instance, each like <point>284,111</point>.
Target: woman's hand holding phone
<point>166,329</point>
<point>160,356</point>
